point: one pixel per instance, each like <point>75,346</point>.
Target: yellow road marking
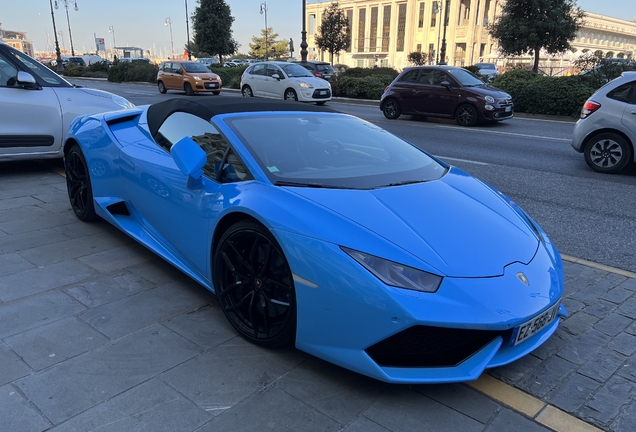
<point>599,266</point>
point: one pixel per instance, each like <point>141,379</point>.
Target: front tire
<point>290,94</point>
<point>78,185</point>
<point>188,89</point>
<point>391,109</point>
<point>607,153</point>
<point>216,93</point>
<point>247,91</point>
<point>466,115</point>
<point>254,285</point>
<point>162,87</point>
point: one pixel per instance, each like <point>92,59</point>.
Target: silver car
<point>606,131</point>
<point>37,106</point>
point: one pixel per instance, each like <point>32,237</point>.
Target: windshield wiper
<point>312,185</point>
<point>402,183</point>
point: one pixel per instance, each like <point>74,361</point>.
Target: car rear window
<point>622,93</point>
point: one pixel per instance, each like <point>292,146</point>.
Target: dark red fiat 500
<point>446,92</point>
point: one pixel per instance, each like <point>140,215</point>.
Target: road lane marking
<point>508,133</point>
<point>461,160</point>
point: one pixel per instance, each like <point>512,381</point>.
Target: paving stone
<point>572,306</point>
<point>583,348</point>
<point>546,376</point>
<point>21,201</point>
<point>207,326</point>
<point>13,263</point>
<point>12,366</point>
<point>225,375</point>
<point>33,218</point>
<point>118,259</point>
<point>363,424</point>
<point>17,414</point>
<point>158,272</point>
<point>27,240</point>
<point>607,402</point>
<point>628,308</point>
<point>63,391</point>
<point>603,365</point>
<point>507,421</point>
<point>51,195</point>
<point>108,289</point>
<point>146,308</point>
<point>600,309</point>
<point>151,406</point>
<point>613,324</point>
<point>41,279</point>
<point>36,311</point>
<point>629,369</point>
<point>515,371</point>
<point>631,329</point>
<point>588,294</point>
<point>579,323</point>
<point>336,392</point>
<point>617,295</point>
<point>461,398</point>
<point>262,412</point>
<point>82,229</point>
<point>53,343</point>
<point>629,284</point>
<point>402,410</point>
<point>572,394</point>
<point>624,343</point>
<point>557,342</point>
<point>626,420</point>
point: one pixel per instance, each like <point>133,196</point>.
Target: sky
<point>141,23</point>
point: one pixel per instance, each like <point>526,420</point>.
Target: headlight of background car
<point>490,99</point>
<point>196,77</point>
<point>122,102</point>
<point>304,84</point>
<point>395,274</point>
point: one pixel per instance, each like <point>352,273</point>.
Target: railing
<point>371,45</point>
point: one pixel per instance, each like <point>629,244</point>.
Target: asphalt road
<point>586,214</point>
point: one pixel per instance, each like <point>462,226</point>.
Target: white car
<point>37,106</point>
<point>282,80</point>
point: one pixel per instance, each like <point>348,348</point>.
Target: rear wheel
<point>247,91</point>
<point>290,94</point>
<point>607,153</point>
<point>254,285</point>
<point>391,109</point>
<point>466,115</point>
<point>188,89</point>
<point>162,87</point>
<point>78,185</point>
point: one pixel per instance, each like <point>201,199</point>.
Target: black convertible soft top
<point>206,108</point>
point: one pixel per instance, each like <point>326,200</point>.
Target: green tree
<point>334,33</point>
<point>417,58</point>
<point>257,47</point>
<point>212,26</point>
<point>527,26</point>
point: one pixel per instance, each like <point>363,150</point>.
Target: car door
<point>255,78</point>
<point>435,98</point>
<point>274,87</point>
<point>629,115</point>
<point>408,88</point>
<point>30,118</point>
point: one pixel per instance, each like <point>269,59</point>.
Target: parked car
<point>208,61</point>
<point>322,70</point>
<point>135,59</point>
<point>39,106</point>
<point>488,70</point>
<point>234,63</point>
<point>606,131</point>
<point>283,80</point>
<point>322,230</point>
<point>446,92</point>
<point>189,76</point>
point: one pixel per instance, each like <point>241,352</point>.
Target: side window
<point>427,77</point>
<point>8,73</point>
<point>622,93</point>
<point>271,70</point>
<point>202,132</point>
<point>258,69</point>
<point>410,76</point>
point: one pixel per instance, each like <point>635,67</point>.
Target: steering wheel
<point>333,147</point>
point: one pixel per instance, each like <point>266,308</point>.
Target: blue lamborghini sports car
<point>320,229</point>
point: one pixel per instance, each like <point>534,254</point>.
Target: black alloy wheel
<point>188,89</point>
<point>466,115</point>
<point>391,109</point>
<point>78,185</point>
<point>254,285</point>
<point>607,153</point>
<point>290,94</point>
<point>162,87</point>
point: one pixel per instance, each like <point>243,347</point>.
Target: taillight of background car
<point>589,108</point>
<point>317,74</point>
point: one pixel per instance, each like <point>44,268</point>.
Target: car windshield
<point>195,67</point>
<point>331,151</point>
<point>39,70</point>
<point>465,78</point>
<point>485,65</point>
<point>293,70</point>
<point>324,68</point>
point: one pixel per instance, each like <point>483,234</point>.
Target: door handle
<point>634,112</point>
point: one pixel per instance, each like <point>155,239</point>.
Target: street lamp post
<point>111,29</point>
<point>442,56</point>
<point>188,30</point>
<point>60,66</point>
<point>68,20</point>
<point>169,23</point>
<point>303,40</point>
<point>264,11</point>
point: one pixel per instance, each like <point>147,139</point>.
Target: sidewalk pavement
<point>97,333</point>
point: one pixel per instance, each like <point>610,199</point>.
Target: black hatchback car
<point>446,92</point>
<point>322,70</point>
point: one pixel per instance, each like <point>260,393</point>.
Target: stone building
<point>17,40</point>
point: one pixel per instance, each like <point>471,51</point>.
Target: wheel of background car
<point>466,115</point>
<point>254,285</point>
<point>391,109</point>
<point>290,94</point>
<point>78,185</point>
<point>216,93</point>
<point>321,103</point>
<point>188,89</point>
<point>607,153</point>
<point>161,86</point>
<point>247,91</point>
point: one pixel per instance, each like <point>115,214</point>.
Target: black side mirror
<point>446,84</point>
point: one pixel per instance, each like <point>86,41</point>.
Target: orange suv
<point>189,76</point>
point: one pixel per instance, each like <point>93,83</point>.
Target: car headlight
<point>196,77</point>
<point>490,99</point>
<point>122,102</point>
<point>396,274</point>
<point>304,84</point>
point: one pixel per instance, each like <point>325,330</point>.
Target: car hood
<point>314,81</point>
<point>456,224</point>
<point>204,75</point>
<point>488,90</point>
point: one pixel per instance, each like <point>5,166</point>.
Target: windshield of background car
<point>465,78</point>
<point>331,151</point>
<point>195,67</point>
<point>485,65</point>
<point>294,71</point>
<point>38,70</point>
<point>325,68</point>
